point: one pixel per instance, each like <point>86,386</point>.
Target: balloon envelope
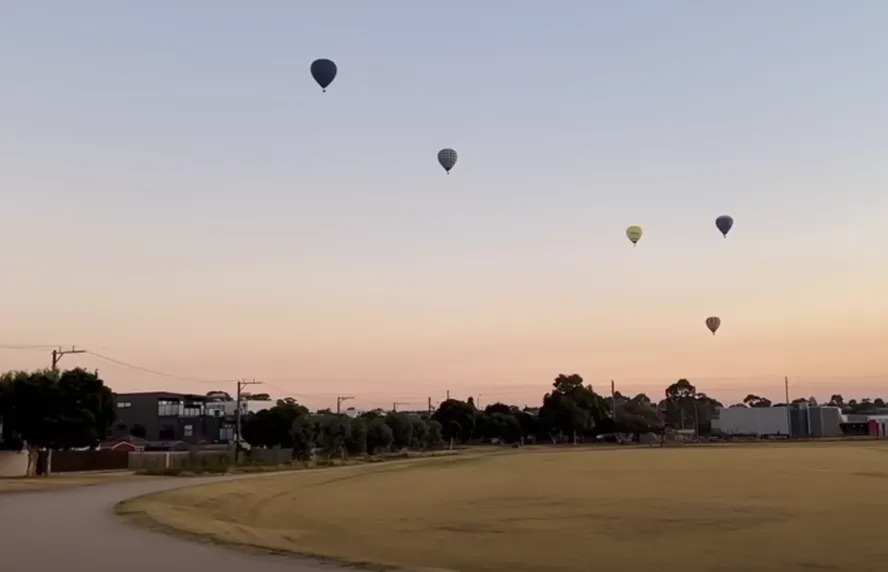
<point>447,158</point>
<point>323,72</point>
<point>724,224</point>
<point>713,322</point>
<point>634,233</point>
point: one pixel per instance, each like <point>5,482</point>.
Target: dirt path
<point>76,530</point>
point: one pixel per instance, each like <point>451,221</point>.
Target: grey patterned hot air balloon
<point>447,158</point>
<point>713,322</point>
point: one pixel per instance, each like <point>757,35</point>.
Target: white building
<point>228,408</point>
<point>759,421</point>
<point>798,420</point>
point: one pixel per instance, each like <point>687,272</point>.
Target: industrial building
<point>797,420</point>
<point>873,425</point>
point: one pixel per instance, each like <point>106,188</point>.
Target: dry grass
<point>62,480</point>
<point>727,509</point>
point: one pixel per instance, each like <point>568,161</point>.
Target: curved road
<point>74,530</point>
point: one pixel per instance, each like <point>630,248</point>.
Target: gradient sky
<point>177,193</point>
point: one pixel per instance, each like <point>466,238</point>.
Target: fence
<point>184,460</point>
<point>70,461</point>
<point>268,456</point>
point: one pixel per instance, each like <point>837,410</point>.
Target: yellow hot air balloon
<point>634,233</point>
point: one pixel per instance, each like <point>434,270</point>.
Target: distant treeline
<point>570,411</point>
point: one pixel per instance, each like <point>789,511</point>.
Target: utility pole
<point>339,401</point>
<point>788,410</point>
<point>57,355</point>
<point>237,416</point>
<point>396,404</point>
<point>613,402</point>
<point>448,394</point>
<point>478,403</point>
<point>430,405</point>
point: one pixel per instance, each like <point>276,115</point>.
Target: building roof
<point>162,395</point>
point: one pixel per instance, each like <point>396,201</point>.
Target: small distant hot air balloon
<point>323,72</point>
<point>724,224</point>
<point>713,322</point>
<point>447,158</point>
<point>634,233</point>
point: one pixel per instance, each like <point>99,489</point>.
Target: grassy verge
<point>62,480</point>
<point>560,510</point>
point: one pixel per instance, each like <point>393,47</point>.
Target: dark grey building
<point>164,416</point>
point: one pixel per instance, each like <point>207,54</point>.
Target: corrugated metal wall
<point>805,421</point>
<point>752,421</point>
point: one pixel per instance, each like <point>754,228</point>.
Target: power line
<point>157,372</point>
<point>27,347</point>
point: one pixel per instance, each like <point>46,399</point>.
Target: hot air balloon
<point>634,233</point>
<point>447,158</point>
<point>323,72</point>
<point>724,224</point>
<point>713,322</point>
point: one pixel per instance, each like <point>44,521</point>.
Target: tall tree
<point>56,410</point>
<point>274,426</point>
<point>571,408</point>
<point>402,429</point>
<point>680,404</point>
<point>457,419</point>
<point>756,401</point>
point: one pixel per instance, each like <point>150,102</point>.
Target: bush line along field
<point>732,509</point>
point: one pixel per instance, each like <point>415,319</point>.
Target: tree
<point>54,410</point>
<point>498,408</point>
<point>705,408</point>
<point>379,436</point>
<point>402,429</point>
<point>679,406</point>
<point>435,435</point>
<point>303,437</point>
<point>837,400</point>
<point>756,401</point>
<point>356,443</point>
<point>419,434</point>
<point>504,427</point>
<point>457,419</point>
<point>332,432</point>
<point>530,424</point>
<point>571,409</point>
<point>273,427</point>
<point>637,417</point>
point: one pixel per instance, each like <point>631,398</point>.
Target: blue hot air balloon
<point>724,224</point>
<point>323,72</point>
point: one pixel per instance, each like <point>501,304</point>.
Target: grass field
<point>21,484</point>
<point>776,507</point>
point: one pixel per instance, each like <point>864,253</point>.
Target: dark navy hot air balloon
<point>447,158</point>
<point>323,72</point>
<point>724,224</point>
